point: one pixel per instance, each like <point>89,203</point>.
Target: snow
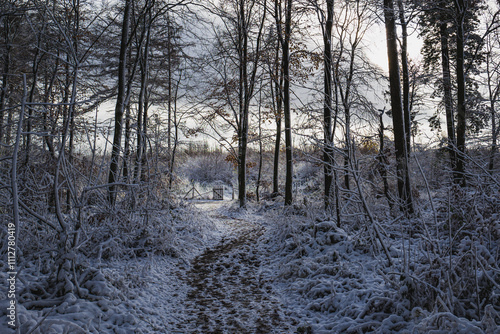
<point>256,270</point>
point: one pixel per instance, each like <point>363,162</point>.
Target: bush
<point>208,168</point>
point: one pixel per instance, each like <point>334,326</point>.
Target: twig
<point>430,201</point>
<point>41,321</point>
<point>36,215</point>
<point>369,214</point>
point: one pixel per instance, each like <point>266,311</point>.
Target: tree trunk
<point>46,117</point>
<point>279,103</point>
<point>169,105</point>
<point>246,87</point>
<point>493,94</point>
<point>459,173</point>
<point>140,134</point>
<point>176,137</point>
<point>128,166</point>
<point>328,158</point>
<point>335,171</point>
<point>347,153</point>
<point>406,76</point>
<point>345,96</point>
<point>65,113</point>
<point>29,124</point>
<point>126,149</point>
<point>243,112</point>
<point>146,103</point>
<point>72,116</point>
<point>115,153</point>
<point>242,154</point>
<point>448,104</point>
<point>277,146</point>
<point>382,160</point>
<point>145,141</point>
<point>8,126</point>
<point>286,110</point>
<point>128,119</point>
<point>494,134</point>
<point>142,114</point>
<point>404,187</point>
<point>71,143</point>
<point>259,173</point>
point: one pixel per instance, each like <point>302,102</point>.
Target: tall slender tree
<point>404,185</point>
<point>405,74</point>
<point>247,86</point>
<point>120,106</point>
<point>277,93</point>
<point>142,104</point>
<point>286,104</point>
<point>448,103</point>
<point>326,23</point>
<point>461,7</point>
<point>234,60</point>
<point>493,87</point>
<point>328,158</point>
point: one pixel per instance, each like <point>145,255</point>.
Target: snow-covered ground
<point>276,273</point>
<point>252,271</point>
<point>222,289</point>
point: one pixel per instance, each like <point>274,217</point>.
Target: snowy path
<point>223,291</point>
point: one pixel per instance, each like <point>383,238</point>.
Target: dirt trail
<point>227,293</point>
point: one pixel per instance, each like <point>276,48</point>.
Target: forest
<point>249,166</point>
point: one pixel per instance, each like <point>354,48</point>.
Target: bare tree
<point>326,22</point>
<point>286,104</point>
<point>404,185</point>
<point>276,83</point>
<point>143,104</point>
<point>235,62</point>
<point>120,104</point>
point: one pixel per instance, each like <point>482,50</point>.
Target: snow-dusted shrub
<point>458,272</point>
<point>208,168</point>
<point>334,279</point>
<point>304,170</point>
<point>96,306</point>
<point>131,234</point>
<point>444,277</point>
<point>76,291</point>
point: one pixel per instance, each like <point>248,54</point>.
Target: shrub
<point>208,168</point>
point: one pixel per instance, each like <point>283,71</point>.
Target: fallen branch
<point>42,320</point>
